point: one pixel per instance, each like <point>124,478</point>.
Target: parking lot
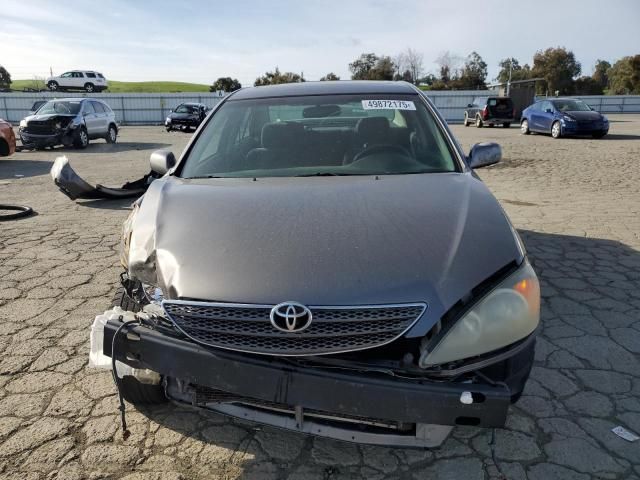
<point>576,203</point>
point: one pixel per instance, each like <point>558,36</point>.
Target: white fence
<point>152,108</point>
<point>130,108</point>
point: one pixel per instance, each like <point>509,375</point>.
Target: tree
<point>276,77</point>
<point>558,67</point>
<point>409,65</point>
<point>518,72</point>
<point>330,77</point>
<point>601,73</point>
<point>624,76</point>
<point>587,86</point>
<point>225,84</point>
<point>449,64</point>
<point>474,73</point>
<point>371,67</point>
<point>5,78</point>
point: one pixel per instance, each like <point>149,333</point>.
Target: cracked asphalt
<point>576,203</point>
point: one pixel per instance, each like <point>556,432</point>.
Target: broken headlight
<point>152,293</point>
<point>508,313</point>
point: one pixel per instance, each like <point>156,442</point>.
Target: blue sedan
<point>563,116</point>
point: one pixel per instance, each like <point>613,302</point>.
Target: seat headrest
<point>282,135</point>
<point>373,130</point>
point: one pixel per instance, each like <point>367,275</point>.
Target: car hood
<point>49,116</point>
<point>583,116</point>
<point>182,116</point>
<point>322,241</point>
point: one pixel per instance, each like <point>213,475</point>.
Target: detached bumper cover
<point>272,380</point>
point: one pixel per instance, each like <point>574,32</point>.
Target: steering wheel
<point>377,149</point>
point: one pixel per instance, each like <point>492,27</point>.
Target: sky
<point>199,41</point>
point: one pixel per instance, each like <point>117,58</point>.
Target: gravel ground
<point>576,203</point>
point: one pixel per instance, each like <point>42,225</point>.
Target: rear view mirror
<point>162,161</point>
<point>321,111</point>
<point>484,154</point>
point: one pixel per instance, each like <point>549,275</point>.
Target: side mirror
<point>162,161</point>
<point>469,105</point>
<point>548,110</point>
<point>484,154</point>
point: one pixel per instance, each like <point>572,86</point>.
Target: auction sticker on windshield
<point>388,105</point>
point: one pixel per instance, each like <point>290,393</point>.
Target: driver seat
<point>370,131</point>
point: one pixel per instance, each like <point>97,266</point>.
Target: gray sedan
<point>323,258</point>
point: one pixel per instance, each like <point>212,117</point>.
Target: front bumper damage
<point>363,406</point>
<point>74,187</point>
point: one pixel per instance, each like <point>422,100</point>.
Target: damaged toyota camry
<point>322,258</point>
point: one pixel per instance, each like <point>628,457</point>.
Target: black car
<point>186,116</point>
<point>490,111</point>
<point>323,258</point>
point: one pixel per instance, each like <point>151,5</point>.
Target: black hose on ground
<point>21,212</point>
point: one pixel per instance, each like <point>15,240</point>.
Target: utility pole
<point>509,81</point>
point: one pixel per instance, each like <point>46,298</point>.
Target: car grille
<point>40,128</point>
<point>247,328</point>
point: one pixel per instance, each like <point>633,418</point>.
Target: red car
<point>7,139</point>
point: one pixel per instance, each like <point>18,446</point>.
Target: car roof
<point>364,87</point>
<point>74,99</point>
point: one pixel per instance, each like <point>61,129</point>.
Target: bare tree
<point>449,65</point>
<point>413,62</point>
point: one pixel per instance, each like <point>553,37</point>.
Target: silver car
<point>69,122</point>
<point>323,258</point>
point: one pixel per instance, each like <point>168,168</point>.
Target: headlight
<point>568,119</point>
<point>154,294</point>
<point>168,120</point>
<point>23,123</point>
<point>605,119</point>
<point>508,313</point>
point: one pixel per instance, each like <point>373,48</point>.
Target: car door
<point>546,116</point>
<point>78,80</point>
<point>535,116</point>
<point>102,120</point>
<point>90,119</point>
<point>65,80</point>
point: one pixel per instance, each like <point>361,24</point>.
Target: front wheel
<point>112,134</point>
<point>478,122</point>
<point>81,138</point>
<point>466,120</point>
<point>556,130</point>
<point>524,127</point>
<point>53,86</point>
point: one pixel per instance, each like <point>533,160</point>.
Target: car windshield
<point>571,106</point>
<point>320,135</point>
<point>186,109</point>
<point>61,107</point>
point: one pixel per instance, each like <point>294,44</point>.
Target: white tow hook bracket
<point>466,398</point>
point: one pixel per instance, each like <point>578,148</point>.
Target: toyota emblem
<point>290,317</point>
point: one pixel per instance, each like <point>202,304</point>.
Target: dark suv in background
<point>490,111</point>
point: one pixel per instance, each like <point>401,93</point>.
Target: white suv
<point>87,80</point>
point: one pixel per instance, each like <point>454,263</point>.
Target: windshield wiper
<point>326,174</point>
<point>203,176</point>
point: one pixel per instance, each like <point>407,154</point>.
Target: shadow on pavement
<point>620,136</point>
<point>108,204</point>
<point>123,147</point>
<point>23,168</point>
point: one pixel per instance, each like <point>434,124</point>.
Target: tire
<point>133,391</point>
<point>52,85</point>
<point>556,130</point>
<point>478,122</point>
<point>112,134</point>
<point>524,127</point>
<point>506,125</point>
<point>81,139</point>
<point>169,129</point>
<point>491,125</point>
<point>89,87</point>
<point>466,120</point>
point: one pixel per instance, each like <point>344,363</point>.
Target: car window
<point>184,108</point>
<point>88,108</point>
<point>97,106</point>
<point>480,101</point>
<point>325,135</point>
<point>61,107</point>
<point>91,75</point>
<point>571,106</point>
<point>77,75</point>
<point>546,105</point>
<point>66,75</point>
<point>99,75</point>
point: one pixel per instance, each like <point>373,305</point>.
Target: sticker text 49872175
<point>388,105</point>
